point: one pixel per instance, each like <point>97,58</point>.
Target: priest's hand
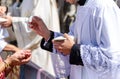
<point>64,46</point>
<point>39,27</point>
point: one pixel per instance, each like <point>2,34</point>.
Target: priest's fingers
<point>69,37</point>
<point>36,20</point>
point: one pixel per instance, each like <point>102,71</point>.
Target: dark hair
<point>81,2</point>
<point>20,0</point>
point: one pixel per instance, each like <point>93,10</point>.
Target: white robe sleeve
<point>3,33</point>
<point>19,22</point>
<point>104,56</point>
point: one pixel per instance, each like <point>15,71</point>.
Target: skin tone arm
<point>8,69</point>
<point>40,28</point>
<point>11,48</point>
<point>17,58</point>
<point>2,66</point>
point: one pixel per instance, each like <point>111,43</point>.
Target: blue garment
<point>28,72</point>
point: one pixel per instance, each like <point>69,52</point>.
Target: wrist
<point>14,49</point>
<point>8,61</point>
<point>7,64</point>
<point>47,36</point>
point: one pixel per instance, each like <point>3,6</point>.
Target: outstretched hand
<point>39,27</point>
<point>19,58</point>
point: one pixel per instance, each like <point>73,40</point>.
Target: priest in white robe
<point>95,51</point>
<point>27,39</point>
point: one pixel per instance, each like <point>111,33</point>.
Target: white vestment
<point>97,30</point>
<point>27,38</point>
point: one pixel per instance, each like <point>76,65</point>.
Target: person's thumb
<point>66,35</point>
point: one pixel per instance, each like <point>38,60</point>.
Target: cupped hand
<point>19,58</point>
<point>65,45</point>
<point>27,57</point>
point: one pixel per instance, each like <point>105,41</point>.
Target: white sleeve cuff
<point>19,19</point>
